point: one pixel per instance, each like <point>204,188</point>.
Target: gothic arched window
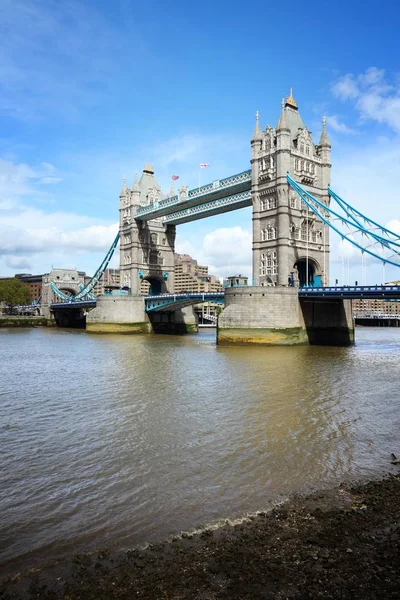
<point>302,148</point>
<point>262,264</point>
<point>308,150</point>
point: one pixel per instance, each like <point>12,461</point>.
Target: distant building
<point>235,280</point>
<point>110,281</point>
<point>191,277</point>
<point>376,306</point>
<point>33,281</point>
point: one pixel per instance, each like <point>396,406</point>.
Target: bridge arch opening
<point>157,285</point>
<point>308,272</point>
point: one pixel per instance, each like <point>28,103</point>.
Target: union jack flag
<point>204,165</point>
<point>175,177</point>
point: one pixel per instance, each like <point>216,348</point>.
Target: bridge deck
<point>214,198</point>
<point>376,292</point>
<point>174,301</point>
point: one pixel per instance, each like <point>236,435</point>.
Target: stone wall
<point>118,314</point>
<point>261,315</point>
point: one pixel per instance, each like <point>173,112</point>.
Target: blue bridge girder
<point>359,292</point>
<point>73,304</point>
<point>171,302</point>
<point>220,196</point>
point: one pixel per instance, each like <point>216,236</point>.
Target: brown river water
<point>121,440</point>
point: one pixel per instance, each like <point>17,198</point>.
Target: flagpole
<point>199,176</point>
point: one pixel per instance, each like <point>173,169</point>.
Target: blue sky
<point>91,90</point>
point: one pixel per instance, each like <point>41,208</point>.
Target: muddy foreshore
<point>343,543</point>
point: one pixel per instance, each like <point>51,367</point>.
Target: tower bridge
<point>288,187</point>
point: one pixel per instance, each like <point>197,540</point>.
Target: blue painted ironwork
<point>351,211</point>
<point>87,289</point>
<point>220,189</point>
<point>378,292</point>
<point>175,301</point>
<point>324,213</point>
<point>209,209</point>
<point>73,304</point>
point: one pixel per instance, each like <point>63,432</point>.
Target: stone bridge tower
<point>146,247</point>
<point>290,245</point>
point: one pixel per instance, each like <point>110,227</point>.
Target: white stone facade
<point>146,247</point>
<point>290,245</point>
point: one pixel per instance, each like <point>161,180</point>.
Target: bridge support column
<point>275,316</point>
<point>73,318</point>
<point>174,322</point>
<point>118,314</point>
<point>261,315</point>
<point>329,322</point>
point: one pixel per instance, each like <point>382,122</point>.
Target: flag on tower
<point>175,177</point>
<point>204,165</point>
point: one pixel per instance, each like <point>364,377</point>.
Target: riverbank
<point>342,543</point>
<point>21,321</point>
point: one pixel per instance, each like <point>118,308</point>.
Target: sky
<point>92,90</point>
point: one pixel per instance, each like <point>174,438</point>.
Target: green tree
<point>14,293</point>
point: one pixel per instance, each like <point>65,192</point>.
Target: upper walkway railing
<point>231,192</point>
<point>173,301</point>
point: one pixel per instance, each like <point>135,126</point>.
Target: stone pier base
<point>275,316</point>
<point>118,314</point>
<point>176,322</point>
<point>126,314</point>
<point>261,315</point>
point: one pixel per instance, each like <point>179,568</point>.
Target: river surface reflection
<point>120,440</point>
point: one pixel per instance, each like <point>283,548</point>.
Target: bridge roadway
<point>359,292</point>
<point>170,302</point>
<point>220,196</point>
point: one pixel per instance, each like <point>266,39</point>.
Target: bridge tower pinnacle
<point>290,245</point>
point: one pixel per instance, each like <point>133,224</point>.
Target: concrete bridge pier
<point>74,318</point>
<point>329,322</point>
<point>126,314</point>
<point>274,316</point>
<point>118,314</point>
<point>176,322</point>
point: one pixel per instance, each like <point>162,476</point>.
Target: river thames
<point>121,440</point>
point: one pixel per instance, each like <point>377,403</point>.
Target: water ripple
<point>123,440</point>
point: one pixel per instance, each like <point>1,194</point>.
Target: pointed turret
<point>136,183</point>
<point>324,141</point>
<point>123,189</point>
<point>290,101</point>
<point>282,123</point>
<point>257,134</point>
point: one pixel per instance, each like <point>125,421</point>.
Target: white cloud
<point>334,123</point>
<point>29,231</point>
<point>394,225</point>
<point>228,251</point>
<point>18,262</point>
<point>375,97</point>
<point>50,180</point>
